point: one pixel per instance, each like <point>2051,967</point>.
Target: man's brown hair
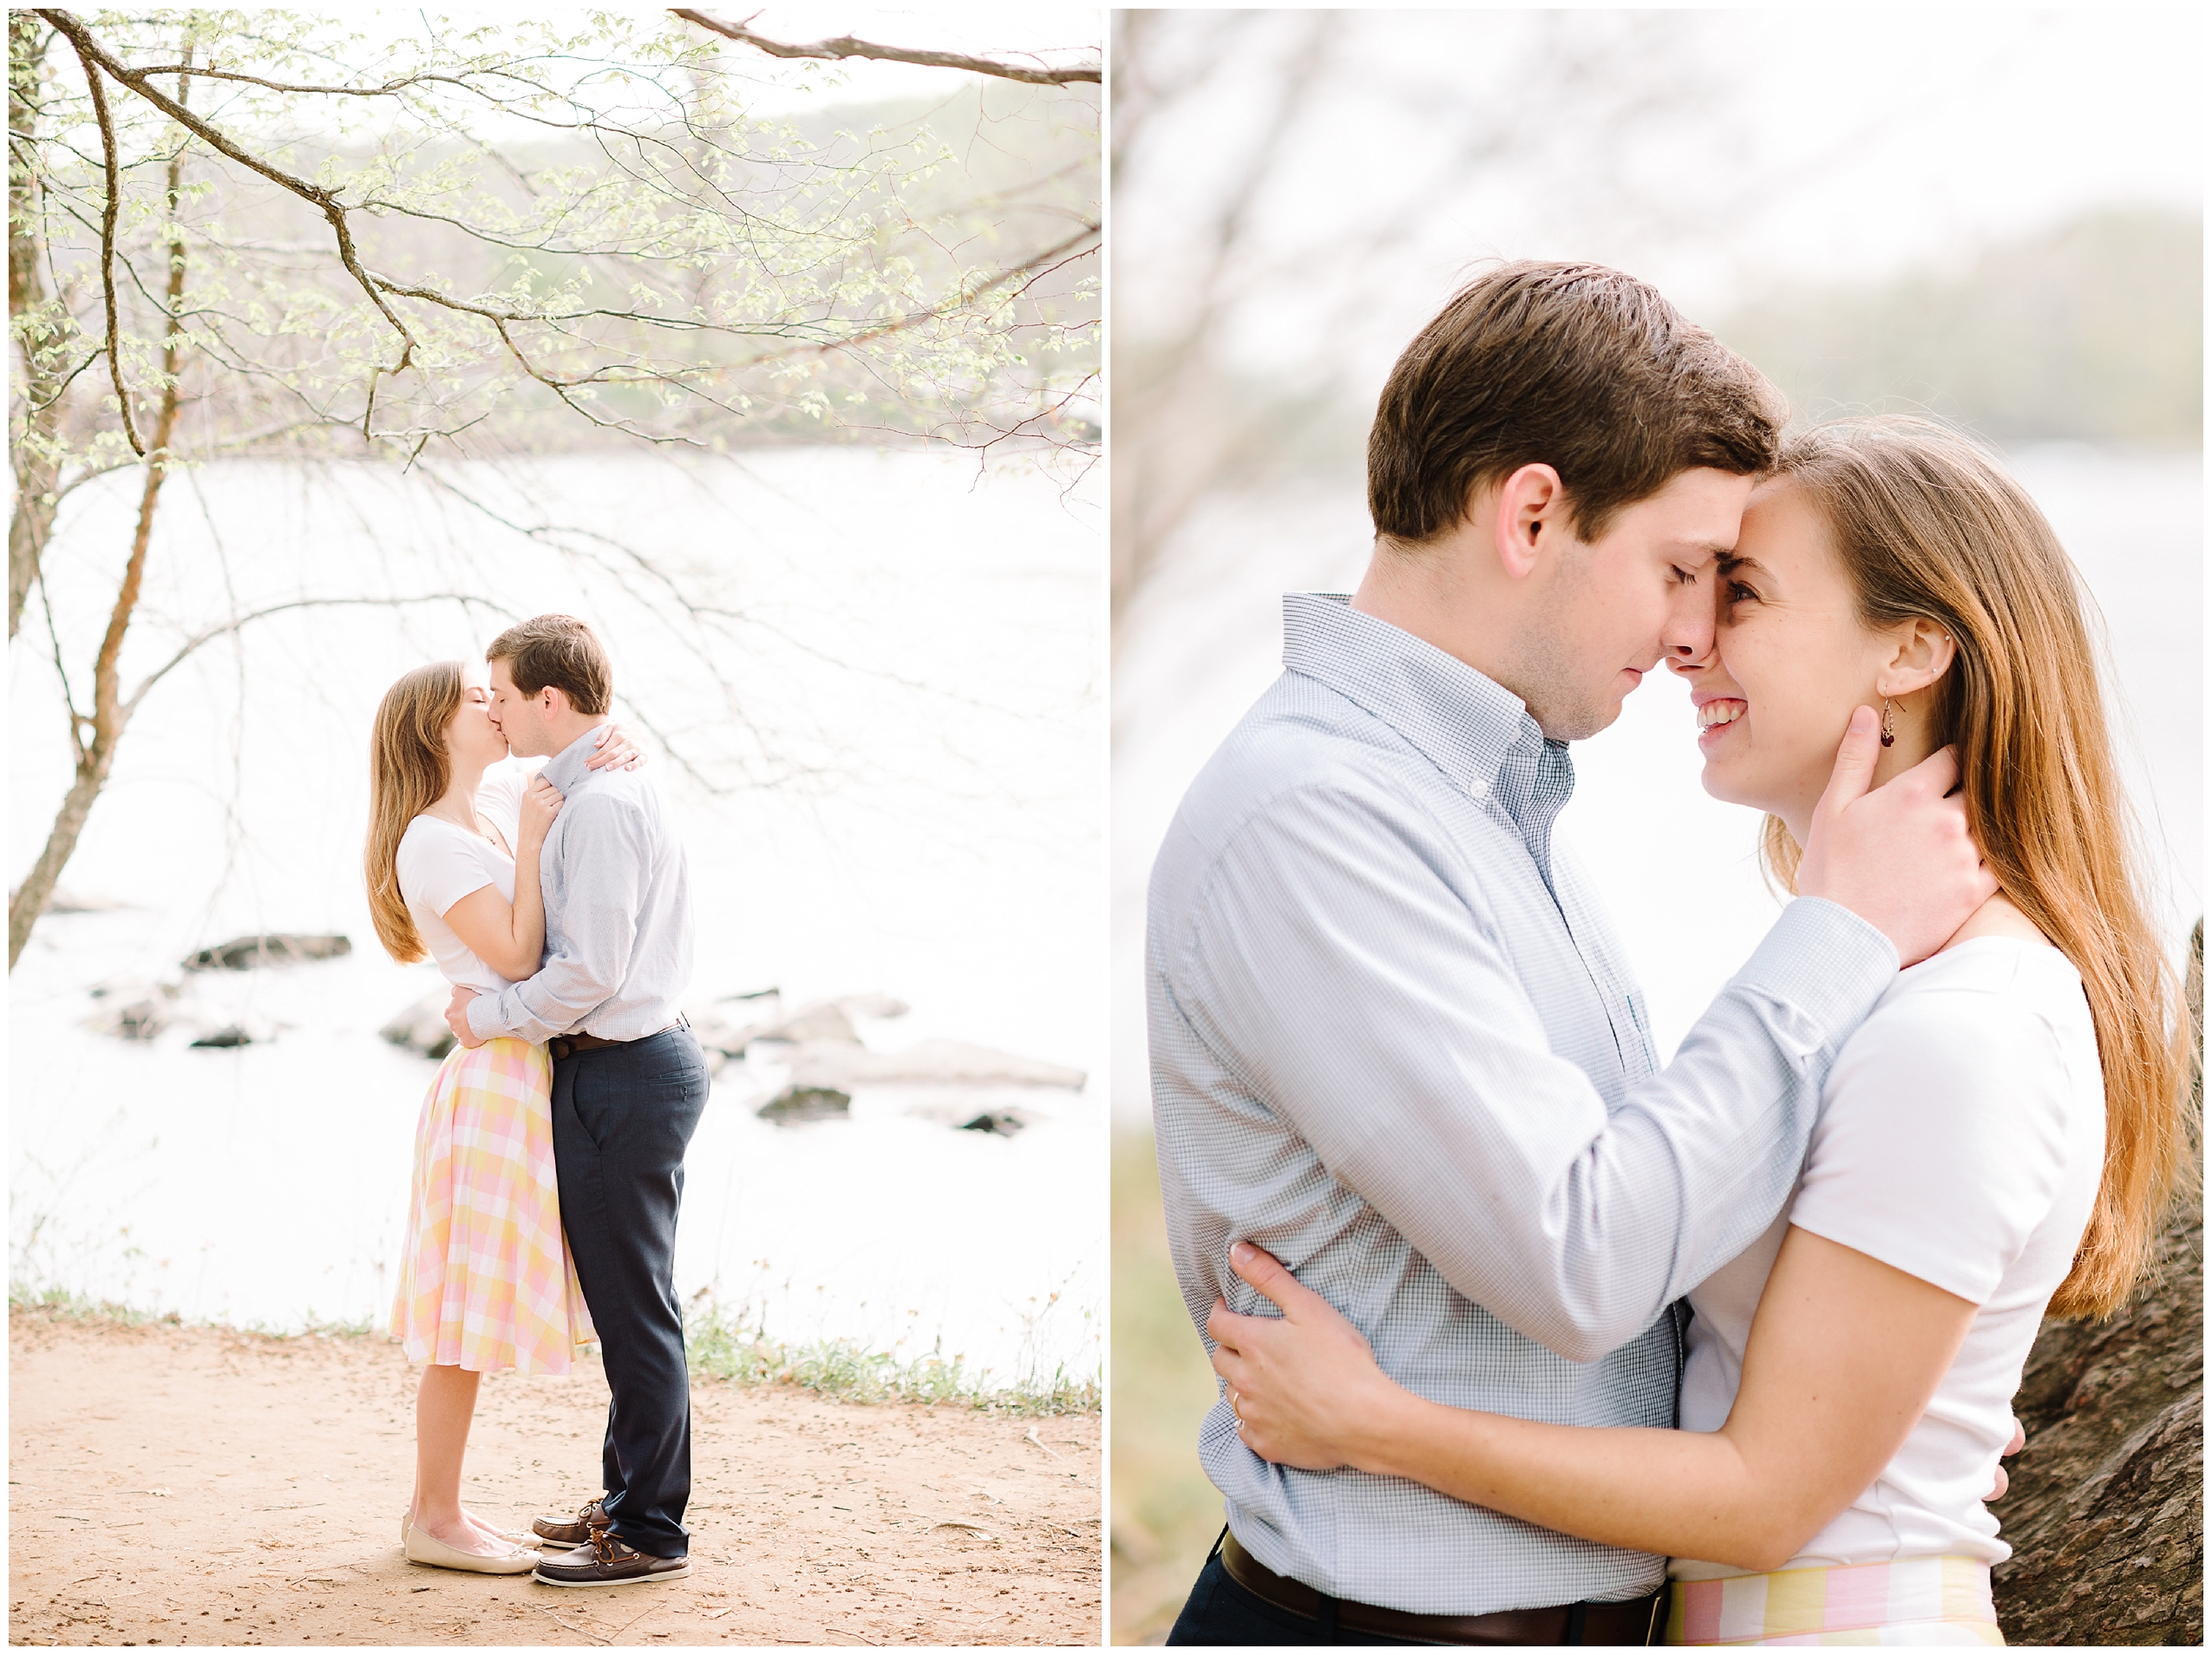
<point>1578,367</point>
<point>559,651</point>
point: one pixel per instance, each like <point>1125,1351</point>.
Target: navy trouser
<point>1220,1612</point>
<point>622,1117</point>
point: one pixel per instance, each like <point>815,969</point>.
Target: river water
<point>1677,868</point>
<point>889,770</point>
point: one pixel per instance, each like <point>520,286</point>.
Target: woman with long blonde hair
<point>451,863</point>
<point>2002,1135</point>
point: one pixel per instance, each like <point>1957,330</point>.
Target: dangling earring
<point>1889,725</point>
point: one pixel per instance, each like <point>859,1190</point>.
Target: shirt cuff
<point>1824,963</point>
<point>485,1027</point>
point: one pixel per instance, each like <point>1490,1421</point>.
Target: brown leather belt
<point>568,1045</point>
<point>1634,1622</point>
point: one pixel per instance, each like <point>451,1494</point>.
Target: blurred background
<point>1996,217</point>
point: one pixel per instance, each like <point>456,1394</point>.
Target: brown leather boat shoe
<point>554,1531</point>
<point>606,1561</point>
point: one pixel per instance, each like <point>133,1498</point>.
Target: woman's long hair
<point>1928,525</point>
<point>409,772</point>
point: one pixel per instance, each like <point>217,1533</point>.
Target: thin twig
<point>466,600</point>
<point>108,230</point>
<point>846,46</point>
<point>138,81</point>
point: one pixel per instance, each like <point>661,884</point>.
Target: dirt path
<point>173,1485</point>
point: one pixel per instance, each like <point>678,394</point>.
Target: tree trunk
<point>36,472</point>
<point>29,899</point>
<point>2105,1514</point>
<point>109,710</point>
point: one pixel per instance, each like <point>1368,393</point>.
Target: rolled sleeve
<point>603,847</point>
<point>1368,998</point>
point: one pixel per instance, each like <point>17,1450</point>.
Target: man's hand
<point>457,1018</point>
<point>1899,856</point>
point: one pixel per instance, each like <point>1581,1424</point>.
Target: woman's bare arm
<point>1842,1357</point>
<point>510,937</point>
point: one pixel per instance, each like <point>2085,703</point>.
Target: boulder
<point>247,1031</point>
<point>274,948</point>
<point>133,1008</point>
<point>422,1027</point>
<point>795,1105</point>
<point>2105,1513</point>
<point>1000,1123</point>
<point>929,1063</point>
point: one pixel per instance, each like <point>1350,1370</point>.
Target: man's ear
<point>1531,506</point>
<point>1921,652</point>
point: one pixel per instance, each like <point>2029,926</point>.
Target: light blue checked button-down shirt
<point>1394,1043</point>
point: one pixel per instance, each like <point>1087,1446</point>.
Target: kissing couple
<point>549,1155</point>
<point>1523,1337</point>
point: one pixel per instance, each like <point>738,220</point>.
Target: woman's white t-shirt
<point>1960,1140</point>
<point>440,862</point>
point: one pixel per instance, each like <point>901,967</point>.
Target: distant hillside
<point>2092,330</point>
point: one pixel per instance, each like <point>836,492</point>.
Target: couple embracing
<point>1525,1338</point>
<point>549,1155</point>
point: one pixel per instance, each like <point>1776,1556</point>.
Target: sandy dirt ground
<point>185,1485</point>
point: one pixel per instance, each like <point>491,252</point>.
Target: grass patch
<point>1166,1513</point>
<point>718,1345</point>
<point>57,1305</point>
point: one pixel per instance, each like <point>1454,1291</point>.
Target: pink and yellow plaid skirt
<point>487,1282</point>
<point>1909,1601</point>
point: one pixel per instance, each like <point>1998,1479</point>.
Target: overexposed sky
<point>1043,35</point>
<point>1799,144</point>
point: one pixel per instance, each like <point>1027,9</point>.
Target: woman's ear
<point>1922,652</point>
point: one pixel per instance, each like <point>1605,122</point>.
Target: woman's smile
<point>1716,718</point>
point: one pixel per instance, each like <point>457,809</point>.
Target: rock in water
<point>796,1104</point>
<point>422,1026</point>
<point>1000,1123</point>
<point>2105,1514</point>
<point>244,953</point>
<point>253,1032</point>
<point>133,1008</point>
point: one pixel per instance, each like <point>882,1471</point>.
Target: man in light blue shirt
<point>1394,1042</point>
<point>629,1086</point>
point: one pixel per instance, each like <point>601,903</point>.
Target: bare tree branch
<point>107,233</point>
<point>967,295</point>
<point>467,600</point>
<point>846,46</point>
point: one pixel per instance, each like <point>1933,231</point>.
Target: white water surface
<point>912,793</point>
<point>1678,869</point>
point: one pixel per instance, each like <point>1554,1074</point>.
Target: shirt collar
<point>566,768</point>
<point>1464,723</point>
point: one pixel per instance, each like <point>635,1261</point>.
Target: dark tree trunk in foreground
<point>2107,1511</point>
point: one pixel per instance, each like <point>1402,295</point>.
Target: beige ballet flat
<point>407,1521</point>
<point>427,1549</point>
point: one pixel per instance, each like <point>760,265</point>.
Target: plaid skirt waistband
<point>1909,1602</point>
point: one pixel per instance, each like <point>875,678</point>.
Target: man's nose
<point>1688,639</point>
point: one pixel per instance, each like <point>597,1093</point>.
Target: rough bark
<point>37,473</point>
<point>2105,1514</point>
<point>95,735</point>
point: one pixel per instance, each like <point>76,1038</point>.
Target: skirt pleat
<point>487,1282</point>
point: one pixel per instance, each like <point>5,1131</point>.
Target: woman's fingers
<point>1225,1327</point>
<point>1265,1271</point>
